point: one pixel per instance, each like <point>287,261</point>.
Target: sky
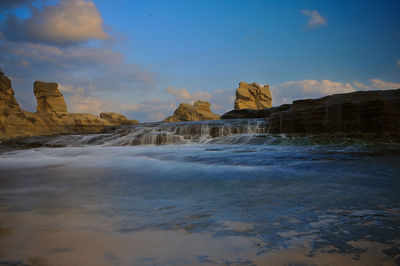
<point>144,57</point>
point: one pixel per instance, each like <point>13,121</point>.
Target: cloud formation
<point>184,95</point>
<point>221,100</point>
<point>384,85</point>
<point>152,109</point>
<point>322,87</point>
<point>51,46</point>
<point>361,85</point>
<point>80,100</point>
<point>100,71</point>
<point>101,67</point>
<point>293,90</point>
<point>315,19</point>
<point>67,23</point>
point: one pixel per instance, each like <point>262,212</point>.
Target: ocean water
<point>211,193</point>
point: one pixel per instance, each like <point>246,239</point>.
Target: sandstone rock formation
<point>51,117</point>
<point>200,110</point>
<point>49,98</point>
<point>7,100</point>
<point>53,110</point>
<point>349,114</point>
<point>252,96</point>
<point>115,118</point>
<point>13,120</point>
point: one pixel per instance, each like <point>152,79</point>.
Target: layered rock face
<point>53,110</point>
<point>252,96</point>
<point>7,99</point>
<point>199,111</point>
<point>355,113</point>
<point>51,117</point>
<point>349,113</point>
<point>13,120</point>
<point>115,118</point>
<point>49,98</point>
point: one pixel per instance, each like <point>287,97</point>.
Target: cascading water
<point>219,132</point>
<point>248,131</point>
<point>233,189</point>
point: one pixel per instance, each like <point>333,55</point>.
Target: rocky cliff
<point>118,119</point>
<point>13,120</point>
<point>199,111</point>
<point>7,100</point>
<point>51,117</point>
<point>252,96</point>
<point>49,98</point>
<point>353,113</point>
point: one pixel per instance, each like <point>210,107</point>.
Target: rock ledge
<point>355,113</point>
<point>199,111</point>
<point>51,117</point>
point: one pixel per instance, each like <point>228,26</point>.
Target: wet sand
<point>34,238</point>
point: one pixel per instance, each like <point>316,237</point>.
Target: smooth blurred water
<point>210,203</point>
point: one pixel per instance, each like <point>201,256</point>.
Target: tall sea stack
<point>252,96</point>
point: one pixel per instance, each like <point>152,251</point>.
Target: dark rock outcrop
<point>347,113</point>
<point>254,113</point>
<point>51,117</point>
<point>252,96</point>
<point>354,113</point>
<point>199,111</point>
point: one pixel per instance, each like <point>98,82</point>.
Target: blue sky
<point>143,58</point>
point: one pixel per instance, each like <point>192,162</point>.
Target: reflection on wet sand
<point>74,238</point>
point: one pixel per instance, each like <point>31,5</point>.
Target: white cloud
<point>221,100</point>
<point>361,85</point>
<point>322,87</point>
<point>100,68</point>
<point>180,94</point>
<point>66,88</point>
<point>294,90</point>
<point>81,104</point>
<point>69,88</point>
<point>315,19</point>
<point>95,78</point>
<point>384,85</point>
<point>184,95</point>
<point>69,22</point>
<point>79,100</point>
<point>154,109</point>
